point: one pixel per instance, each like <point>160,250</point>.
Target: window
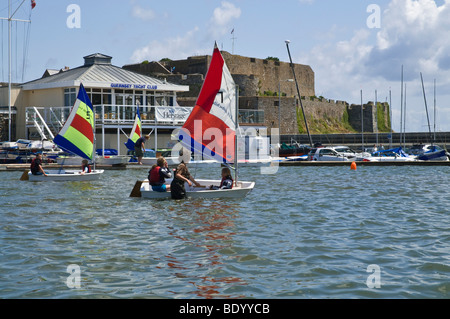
<point>70,96</point>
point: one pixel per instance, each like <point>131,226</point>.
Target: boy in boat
<point>226,182</point>
<point>36,166</point>
<point>85,167</point>
<point>158,174</point>
<point>139,147</point>
<point>182,176</point>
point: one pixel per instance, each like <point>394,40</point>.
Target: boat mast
<point>298,92</point>
<point>236,158</point>
<point>426,107</point>
<point>390,118</point>
<point>401,109</point>
<point>10,19</point>
<point>434,116</point>
<point>362,122</point>
<point>376,117</point>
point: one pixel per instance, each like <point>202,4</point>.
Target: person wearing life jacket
<point>226,182</point>
<point>158,174</point>
<point>85,167</point>
<point>181,176</point>
<point>36,166</point>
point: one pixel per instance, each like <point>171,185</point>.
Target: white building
<point>41,106</point>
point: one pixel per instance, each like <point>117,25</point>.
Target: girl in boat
<point>85,167</point>
<point>158,174</point>
<point>182,176</point>
<point>226,182</point>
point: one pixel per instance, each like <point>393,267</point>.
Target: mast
<point>236,158</point>
<point>434,116</point>
<point>426,107</point>
<point>298,92</point>
<point>376,116</point>
<point>362,123</point>
<point>401,109</point>
<point>404,121</point>
<point>10,19</point>
<point>390,118</point>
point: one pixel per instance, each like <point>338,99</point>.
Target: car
<point>326,154</point>
<point>350,153</point>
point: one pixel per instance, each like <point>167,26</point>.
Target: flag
<point>232,31</point>
<point>136,132</point>
<point>33,4</point>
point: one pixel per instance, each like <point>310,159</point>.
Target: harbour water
<point>306,232</point>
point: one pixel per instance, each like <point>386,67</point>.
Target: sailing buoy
<point>353,166</point>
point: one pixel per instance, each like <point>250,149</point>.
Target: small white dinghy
<point>240,190</point>
<point>216,111</point>
<point>66,175</point>
<point>75,137</point>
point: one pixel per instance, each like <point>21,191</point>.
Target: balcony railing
<point>251,117</point>
<point>125,114</point>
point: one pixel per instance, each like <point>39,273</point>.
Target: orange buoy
<point>353,166</point>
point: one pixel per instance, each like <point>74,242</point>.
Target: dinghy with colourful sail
<point>210,131</point>
<point>136,131</point>
<point>76,137</point>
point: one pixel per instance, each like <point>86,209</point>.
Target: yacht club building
<point>41,106</point>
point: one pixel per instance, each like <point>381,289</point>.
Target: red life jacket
<point>83,167</point>
<point>33,167</point>
<point>154,177</point>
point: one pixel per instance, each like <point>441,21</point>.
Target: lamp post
<point>279,101</point>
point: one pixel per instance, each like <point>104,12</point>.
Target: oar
<point>24,176</point>
<point>136,192</point>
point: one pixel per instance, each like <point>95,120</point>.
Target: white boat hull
<point>100,160</point>
<point>65,175</point>
<point>239,191</point>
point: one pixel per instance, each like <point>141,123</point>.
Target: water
<point>307,232</point>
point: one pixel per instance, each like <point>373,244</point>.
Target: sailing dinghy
<point>77,138</point>
<point>210,131</point>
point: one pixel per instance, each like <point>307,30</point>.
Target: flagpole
<point>10,19</point>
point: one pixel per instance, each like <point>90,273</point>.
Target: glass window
<point>70,96</point>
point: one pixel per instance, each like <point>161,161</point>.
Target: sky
<point>353,46</point>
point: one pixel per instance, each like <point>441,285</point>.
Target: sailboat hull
<point>65,175</point>
<point>239,191</point>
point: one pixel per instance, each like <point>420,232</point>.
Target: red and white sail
<point>211,128</point>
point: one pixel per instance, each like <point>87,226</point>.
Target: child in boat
<point>227,180</point>
<point>36,165</point>
<point>182,176</point>
<point>85,167</point>
<point>158,174</point>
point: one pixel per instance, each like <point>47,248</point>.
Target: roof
<point>98,72</point>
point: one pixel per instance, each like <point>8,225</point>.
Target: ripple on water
<point>302,233</point>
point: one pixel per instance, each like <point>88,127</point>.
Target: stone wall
<point>254,76</point>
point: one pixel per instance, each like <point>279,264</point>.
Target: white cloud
<point>174,48</point>
<point>413,33</point>
<point>143,14</point>
<point>191,43</point>
<point>220,22</point>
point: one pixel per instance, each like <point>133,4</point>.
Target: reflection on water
<point>302,233</point>
<point>207,227</point>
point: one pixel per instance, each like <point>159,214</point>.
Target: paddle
<point>136,191</point>
<point>24,176</point>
